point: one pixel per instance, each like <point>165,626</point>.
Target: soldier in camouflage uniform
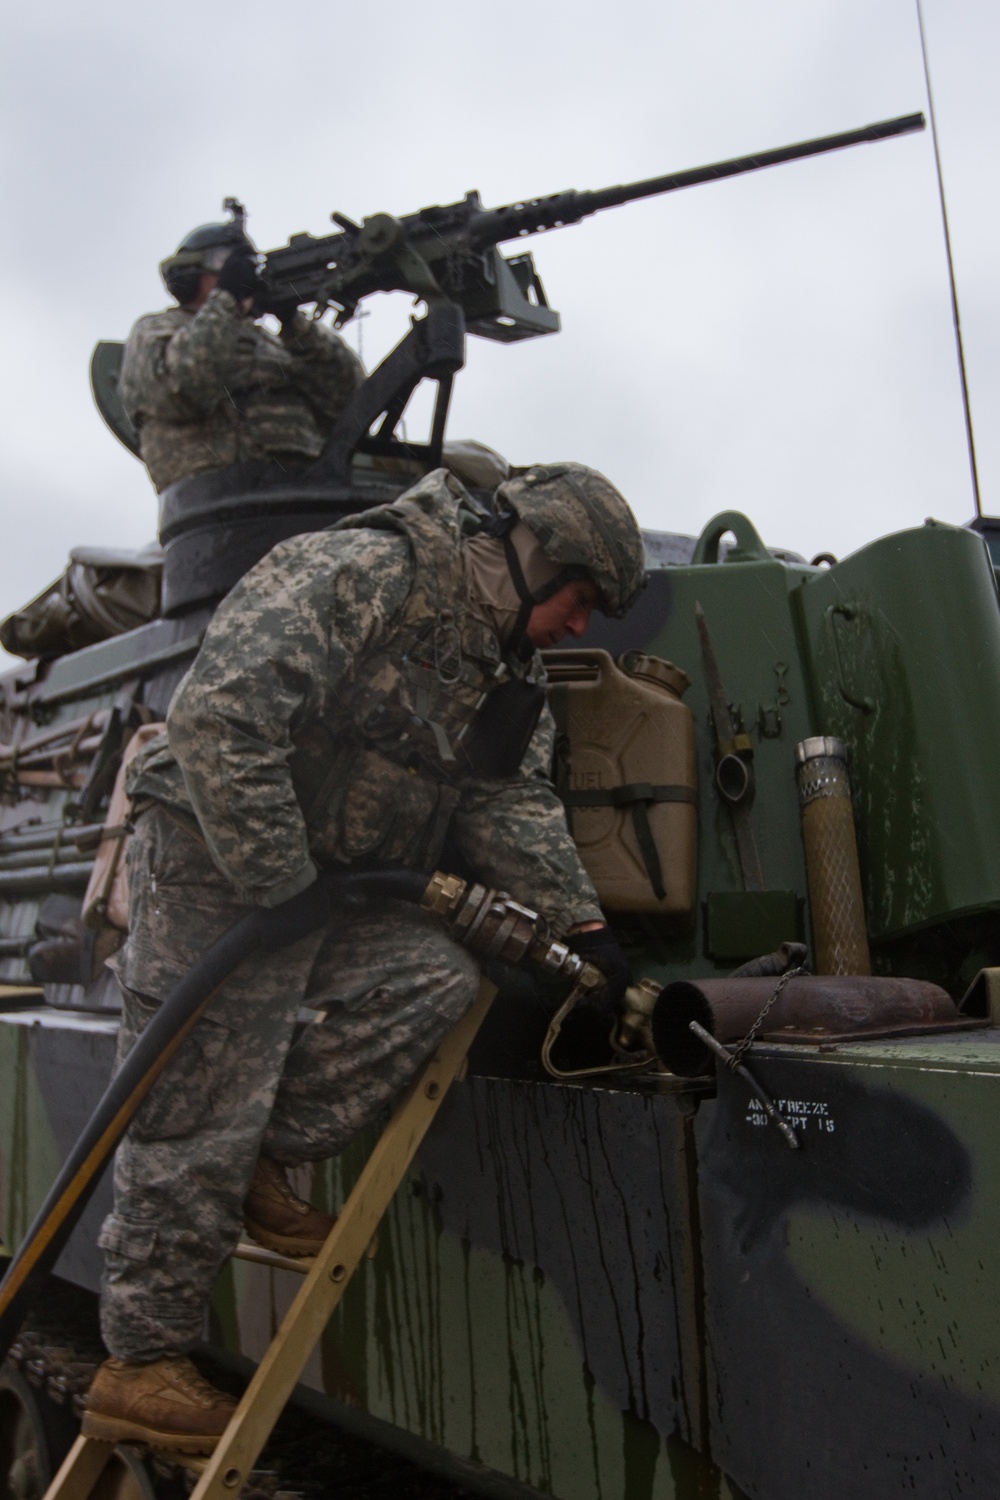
<point>206,386</point>
<point>362,694</point>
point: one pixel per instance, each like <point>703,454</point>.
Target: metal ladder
<point>224,1473</point>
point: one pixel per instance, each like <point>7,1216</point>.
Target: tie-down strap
<point>638,795</point>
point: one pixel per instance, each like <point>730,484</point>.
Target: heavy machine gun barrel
<point>448,253</point>
<point>493,226</point>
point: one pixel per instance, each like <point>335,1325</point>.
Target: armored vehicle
<point>750,1254</point>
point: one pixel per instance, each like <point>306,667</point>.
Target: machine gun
<point>215,525</point>
<point>448,257</point>
<point>449,253</point>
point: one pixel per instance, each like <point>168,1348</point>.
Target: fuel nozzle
<point>492,924</point>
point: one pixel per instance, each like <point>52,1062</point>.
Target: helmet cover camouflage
<point>582,522</point>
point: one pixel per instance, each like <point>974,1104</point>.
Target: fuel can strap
<point>637,795</point>
<point>632,792</point>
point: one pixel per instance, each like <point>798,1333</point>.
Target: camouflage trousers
<point>387,984</point>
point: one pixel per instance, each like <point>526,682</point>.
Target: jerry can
<point>626,771</point>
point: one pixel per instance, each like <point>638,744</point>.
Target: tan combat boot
<point>166,1404</point>
<point>279,1219</point>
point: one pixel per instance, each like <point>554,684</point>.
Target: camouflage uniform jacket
<point>319,723</point>
<point>213,388</point>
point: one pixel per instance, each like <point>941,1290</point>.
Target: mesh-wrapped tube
<point>840,938</point>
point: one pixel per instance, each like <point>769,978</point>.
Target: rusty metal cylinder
<point>840,937</point>
<point>810,1008</point>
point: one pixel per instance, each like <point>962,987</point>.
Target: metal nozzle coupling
<point>493,925</point>
<point>637,1012</point>
<point>822,769</point>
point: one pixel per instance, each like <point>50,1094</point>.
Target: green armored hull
<point>634,1288</point>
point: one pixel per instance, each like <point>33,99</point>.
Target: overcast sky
<point>780,344</point>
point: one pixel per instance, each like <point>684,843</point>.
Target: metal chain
<point>741,1049</point>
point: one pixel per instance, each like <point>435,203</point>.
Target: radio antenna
<point>951,272</point>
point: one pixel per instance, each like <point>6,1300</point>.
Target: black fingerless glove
<point>600,948</point>
<point>239,275</point>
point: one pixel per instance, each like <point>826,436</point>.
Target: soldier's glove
<point>239,275</point>
<point>280,926</point>
<point>283,308</point>
<point>600,947</point>
<point>285,313</point>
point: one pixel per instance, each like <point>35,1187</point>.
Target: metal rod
<point>55,780</point>
<point>57,732</point>
<point>724,1054</point>
<point>39,878</point>
<point>24,859</point>
<point>956,320</point>
<point>49,755</point>
<point>44,836</point>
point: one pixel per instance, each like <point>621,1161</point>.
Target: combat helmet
<point>584,525</point>
<point>206,248</point>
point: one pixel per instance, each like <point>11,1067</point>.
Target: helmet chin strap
<point>500,527</point>
<point>519,641</point>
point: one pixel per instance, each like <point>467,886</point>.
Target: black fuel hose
<point>401,885</point>
<point>150,1054</point>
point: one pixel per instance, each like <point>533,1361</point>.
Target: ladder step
<point>180,1460</point>
<point>261,1257</point>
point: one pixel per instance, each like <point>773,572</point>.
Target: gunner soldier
<point>206,385</point>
